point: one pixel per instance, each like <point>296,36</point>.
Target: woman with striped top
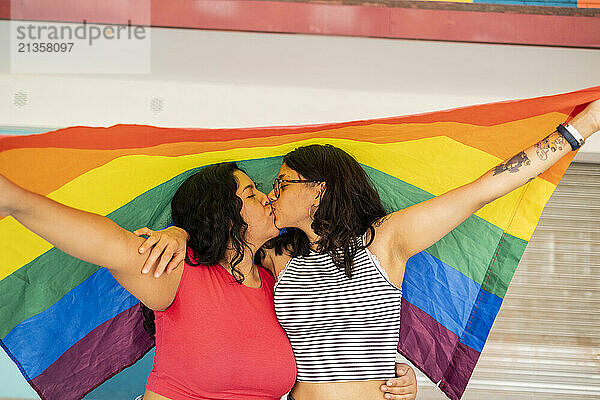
<point>348,256</point>
<point>342,263</point>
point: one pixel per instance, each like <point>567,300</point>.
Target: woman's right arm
<point>89,237</point>
<point>169,248</point>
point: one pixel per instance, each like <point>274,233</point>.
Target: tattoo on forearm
<point>550,143</point>
<point>514,164</point>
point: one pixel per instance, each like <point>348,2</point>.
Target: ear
<point>321,187</point>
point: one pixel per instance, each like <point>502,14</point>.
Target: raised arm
<point>89,237</point>
<point>413,229</point>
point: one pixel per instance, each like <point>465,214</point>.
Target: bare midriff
<point>351,390</point>
<point>148,395</point>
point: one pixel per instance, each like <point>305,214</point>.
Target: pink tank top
<point>221,340</point>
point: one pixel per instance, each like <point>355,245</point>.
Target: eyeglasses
<point>277,184</point>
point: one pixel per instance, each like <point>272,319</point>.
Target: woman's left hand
<point>587,122</point>
<point>404,386</point>
<point>170,245</point>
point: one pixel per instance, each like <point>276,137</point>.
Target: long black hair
<point>207,208</point>
<point>349,206</point>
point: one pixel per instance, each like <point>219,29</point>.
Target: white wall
<point>233,79</point>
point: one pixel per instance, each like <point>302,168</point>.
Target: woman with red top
<point>217,336</point>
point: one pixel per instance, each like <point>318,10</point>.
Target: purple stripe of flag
<point>461,368</point>
<point>104,352</point>
<point>433,348</point>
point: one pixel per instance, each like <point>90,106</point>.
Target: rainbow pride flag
<point>69,326</point>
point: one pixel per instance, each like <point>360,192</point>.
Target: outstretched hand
<point>594,109</point>
<point>169,244</point>
<point>587,122</point>
<point>404,386</point>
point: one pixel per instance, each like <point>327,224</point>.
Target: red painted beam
<point>324,19</point>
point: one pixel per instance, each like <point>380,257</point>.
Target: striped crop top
<point>340,328</point>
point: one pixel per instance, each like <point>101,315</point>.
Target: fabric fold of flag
<point>69,326</point>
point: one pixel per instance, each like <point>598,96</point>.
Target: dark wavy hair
<point>349,206</point>
<point>207,208</point>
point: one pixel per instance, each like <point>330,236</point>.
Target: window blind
<point>545,342</point>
